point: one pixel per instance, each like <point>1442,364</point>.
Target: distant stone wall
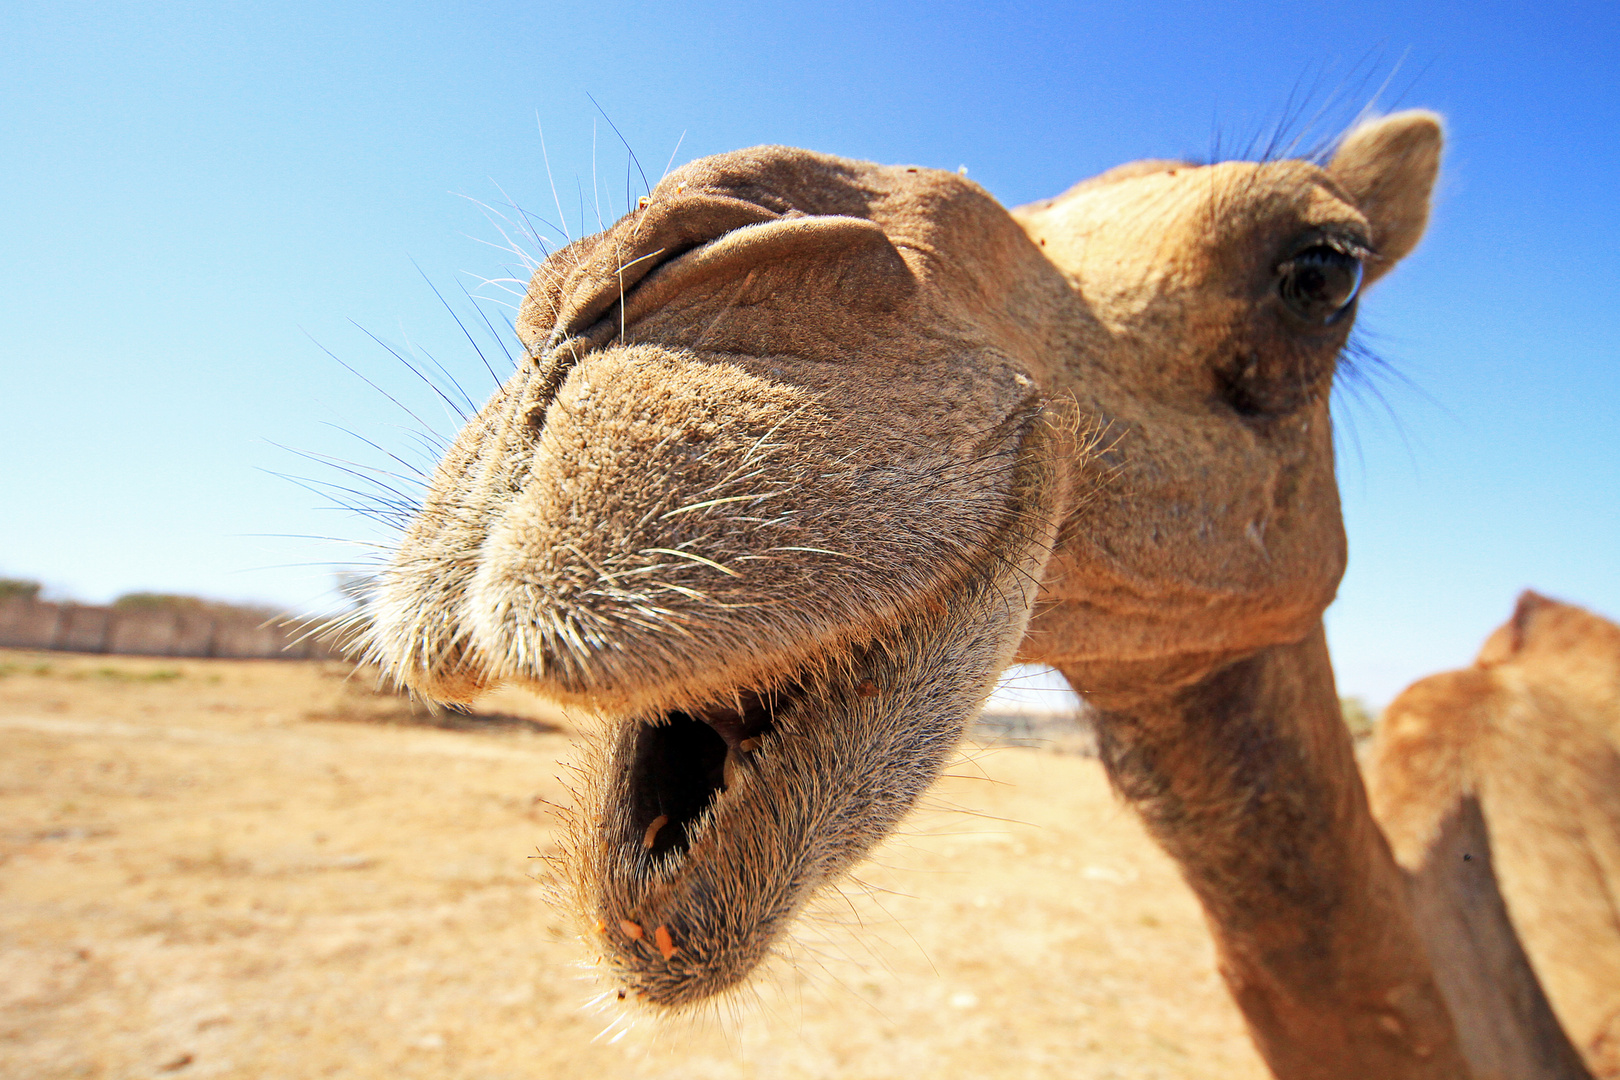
<point>1069,731</point>
<point>203,631</point>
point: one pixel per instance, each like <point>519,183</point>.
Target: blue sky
<point>197,200</point>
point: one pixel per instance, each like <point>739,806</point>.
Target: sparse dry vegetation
<point>18,589</point>
<point>1359,717</point>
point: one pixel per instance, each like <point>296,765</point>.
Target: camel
<point>804,451</point>
<point>1499,789</point>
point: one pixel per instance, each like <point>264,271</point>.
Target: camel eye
<point>1320,283</point>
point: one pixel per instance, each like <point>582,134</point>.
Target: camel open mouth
<point>708,829</point>
<point>683,762</point>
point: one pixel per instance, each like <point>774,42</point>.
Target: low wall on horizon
<point>202,631</point>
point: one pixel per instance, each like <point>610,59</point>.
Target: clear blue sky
<point>189,194</point>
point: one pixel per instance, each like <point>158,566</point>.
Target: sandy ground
<point>260,869</point>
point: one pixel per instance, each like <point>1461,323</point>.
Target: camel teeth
<point>651,834</point>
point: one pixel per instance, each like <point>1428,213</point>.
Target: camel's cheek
<point>1208,542</point>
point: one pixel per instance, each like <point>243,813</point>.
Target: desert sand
<point>263,869</point>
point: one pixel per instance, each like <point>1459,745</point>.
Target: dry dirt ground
<point>261,869</point>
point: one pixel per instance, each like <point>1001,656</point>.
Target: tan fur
<point>1532,732</point>
<point>805,450</point>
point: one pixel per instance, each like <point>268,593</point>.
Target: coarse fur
<point>805,450</point>
<point>1523,751</point>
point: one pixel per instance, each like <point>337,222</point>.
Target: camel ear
<point>1387,167</point>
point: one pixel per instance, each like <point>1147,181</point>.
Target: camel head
<point>1498,788</point>
<point>804,451</point>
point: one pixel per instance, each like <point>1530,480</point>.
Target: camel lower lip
<point>713,826</point>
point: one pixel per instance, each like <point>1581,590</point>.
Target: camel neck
<point>1249,780</point>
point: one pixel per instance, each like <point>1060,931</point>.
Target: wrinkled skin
<point>804,451</point>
